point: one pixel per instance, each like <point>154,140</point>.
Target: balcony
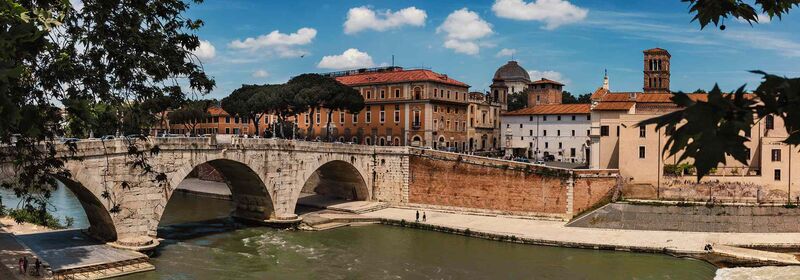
<point>416,125</point>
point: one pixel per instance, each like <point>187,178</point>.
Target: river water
<point>201,242</point>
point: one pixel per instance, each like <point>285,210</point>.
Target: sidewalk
<point>556,233</point>
<point>10,252</point>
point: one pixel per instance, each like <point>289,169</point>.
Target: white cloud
<point>462,28</point>
<point>779,43</point>
<point>506,52</point>
<point>550,75</point>
<point>260,74</point>
<point>349,59</point>
<point>280,43</point>
<point>206,50</point>
<point>363,18</point>
<point>553,13</point>
<point>762,19</point>
<point>465,47</point>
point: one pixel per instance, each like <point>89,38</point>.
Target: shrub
<point>37,217</point>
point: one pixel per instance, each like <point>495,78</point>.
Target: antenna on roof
<point>392,60</point>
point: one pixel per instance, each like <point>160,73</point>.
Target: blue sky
<point>572,41</point>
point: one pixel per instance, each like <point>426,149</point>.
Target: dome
<point>512,71</point>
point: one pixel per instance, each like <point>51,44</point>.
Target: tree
<point>568,98</point>
<point>517,100</point>
<point>707,131</point>
<point>249,103</point>
<point>191,114</point>
<point>345,99</point>
<point>51,52</point>
<point>313,92</point>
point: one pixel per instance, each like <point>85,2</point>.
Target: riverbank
<point>13,250</point>
<point>555,233</point>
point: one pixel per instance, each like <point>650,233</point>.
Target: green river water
<point>200,242</point>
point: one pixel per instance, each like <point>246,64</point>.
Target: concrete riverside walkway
<point>212,189</point>
<point>556,233</point>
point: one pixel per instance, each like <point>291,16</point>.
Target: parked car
<point>522,159</point>
<point>108,137</point>
<point>69,140</point>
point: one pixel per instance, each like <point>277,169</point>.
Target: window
<point>604,130</point>
<point>588,117</point>
<point>770,122</point>
<point>546,145</point>
<point>544,118</point>
<point>642,132</point>
<point>383,94</point>
<point>573,117</point>
<point>397,93</point>
<point>306,118</point>
<point>435,92</point>
<point>417,93</point>
<point>318,117</point>
<point>572,152</point>
<point>530,119</point>
<point>560,145</point>
<point>368,116</point>
<point>520,125</point>
<point>416,118</point>
<point>369,94</point>
<point>776,155</point>
<point>227,130</point>
<point>558,132</point>
<point>235,119</point>
<point>641,152</point>
<point>397,116</point>
<point>355,117</point>
<point>448,125</point>
<point>617,131</point>
<point>341,117</point>
<point>777,175</point>
<point>227,119</point>
<point>382,114</point>
<point>544,132</point>
<point>530,132</point>
<point>573,132</point>
<point>558,118</point>
<point>538,98</point>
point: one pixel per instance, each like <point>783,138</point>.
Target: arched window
<point>397,141</point>
<point>367,141</point>
<point>382,141</point>
<point>417,93</point>
<point>354,140</point>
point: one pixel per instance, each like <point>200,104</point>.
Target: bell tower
<point>656,71</point>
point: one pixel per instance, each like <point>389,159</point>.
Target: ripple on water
<point>268,241</point>
<point>758,273</point>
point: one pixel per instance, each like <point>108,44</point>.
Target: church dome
<point>511,71</point>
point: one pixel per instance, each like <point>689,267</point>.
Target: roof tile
<point>399,76</point>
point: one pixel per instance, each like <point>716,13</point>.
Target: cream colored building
<point>556,131</point>
<point>618,143</point>
<point>483,127</point>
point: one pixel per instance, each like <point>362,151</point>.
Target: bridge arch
<point>251,198</point>
<point>101,224</point>
<point>337,179</point>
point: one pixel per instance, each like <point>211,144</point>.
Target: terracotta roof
<point>511,71</point>
<point>613,106</point>
<point>555,109</point>
<point>217,111</point>
<point>547,81</point>
<point>657,50</point>
<point>398,76</point>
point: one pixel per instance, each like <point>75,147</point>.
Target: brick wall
<point>208,173</point>
<point>461,181</point>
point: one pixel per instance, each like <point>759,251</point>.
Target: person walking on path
<point>36,265</point>
<point>21,263</point>
<point>25,265</point>
<point>417,216</point>
<point>424,216</point>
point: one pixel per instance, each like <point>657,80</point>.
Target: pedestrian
<point>36,265</point>
<point>417,216</point>
<point>424,216</point>
<point>25,265</point>
<point>20,266</point>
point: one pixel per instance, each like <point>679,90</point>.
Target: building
<point>483,127</point>
<point>554,132</point>
<point>618,143</point>
<point>219,122</point>
<point>416,107</point>
<point>509,78</point>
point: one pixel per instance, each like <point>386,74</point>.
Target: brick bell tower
<point>656,71</point>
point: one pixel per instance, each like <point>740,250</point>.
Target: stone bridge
<point>266,177</point>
